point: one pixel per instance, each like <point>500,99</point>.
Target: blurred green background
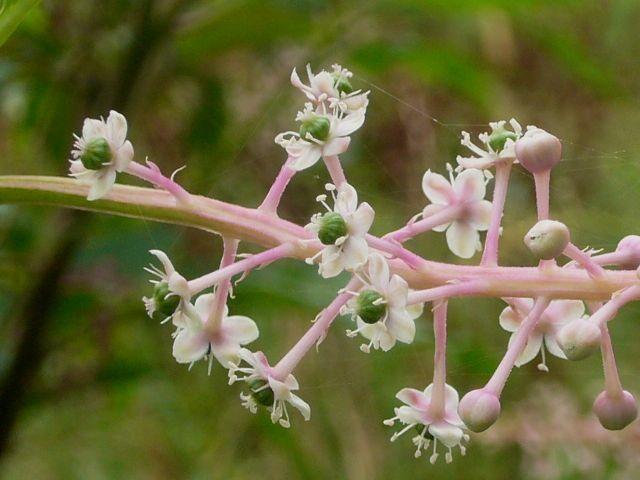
<point>88,387</point>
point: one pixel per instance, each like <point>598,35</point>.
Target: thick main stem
<point>287,364</point>
<point>490,253</point>
<point>497,382</point>
<point>439,358</point>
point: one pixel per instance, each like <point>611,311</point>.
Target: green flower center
<point>317,126</point>
<point>499,137</point>
<point>332,227</point>
<point>369,309</point>
<point>166,306</point>
<point>96,153</point>
<point>343,85</point>
<point>262,397</point>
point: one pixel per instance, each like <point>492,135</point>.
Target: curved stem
<point>156,178</point>
<point>335,170</point>
<point>584,260</point>
<point>497,382</point>
<point>317,331</point>
<point>611,308</point>
<point>446,215</point>
<point>490,253</point>
<point>274,196</point>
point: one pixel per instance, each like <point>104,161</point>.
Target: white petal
<point>346,200</point>
<point>123,157</point>
<point>481,163</point>
<point>93,128</point>
<point>378,272</point>
<point>462,239</point>
<point>355,252</point>
<point>437,189</point>
<point>204,305</point>
<point>305,155</point>
<point>531,349</point>
<point>562,312</point>
<point>448,434</point>
<point>164,259</point>
<point>397,291</point>
<point>331,263</point>
<point>415,310</point>
<point>451,398</point>
<point>413,397</point>
<point>190,345</point>
<point>302,406</point>
<point>361,220</point>
<point>117,128</point>
<point>480,217</point>
<point>336,146</point>
<point>510,320</point>
<point>552,346</point>
<point>387,341</point>
<point>240,329</point>
<point>409,415</point>
<point>102,184</point>
<point>401,326</point>
<point>469,185</point>
<point>280,389</point>
<point>431,209</point>
<point>349,124</point>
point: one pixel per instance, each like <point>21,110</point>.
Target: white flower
<point>331,137</point>
<point>342,229</point>
<point>169,286</point>
<point>499,146</point>
<point>100,153</point>
<point>332,88</point>
<point>557,314</point>
<point>467,190</point>
<point>266,390</point>
<point>194,340</point>
<point>396,319</point>
<point>445,427</point>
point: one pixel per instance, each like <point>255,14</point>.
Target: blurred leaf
<point>12,13</point>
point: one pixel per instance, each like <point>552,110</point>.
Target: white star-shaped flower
<point>266,390</point>
<point>444,426</point>
<point>557,314</point>
<point>101,152</point>
<point>195,340</point>
<point>467,191</point>
<point>499,146</point>
<point>331,138</point>
<point>394,319</point>
<point>343,230</point>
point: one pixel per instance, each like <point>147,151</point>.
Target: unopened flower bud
<point>479,410</point>
<point>499,137</point>
<point>547,239</point>
<point>166,305</point>
<point>261,392</point>
<point>317,126</point>
<point>538,150</point>
<point>370,307</point>
<point>95,153</point>
<point>631,246</point>
<point>579,338</point>
<point>615,411</point>
<point>332,227</point>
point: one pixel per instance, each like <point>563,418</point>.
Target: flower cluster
<point>386,293</point>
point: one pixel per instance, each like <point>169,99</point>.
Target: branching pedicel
<point>545,305</point>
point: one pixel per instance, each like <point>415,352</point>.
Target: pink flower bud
<point>547,239</point>
<point>538,150</point>
<point>479,410</point>
<point>615,411</point>
<point>631,246</point>
<point>579,338</point>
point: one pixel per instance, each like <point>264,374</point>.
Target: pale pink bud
<point>479,410</point>
<point>630,245</point>
<point>579,338</point>
<point>547,239</point>
<point>538,150</point>
<point>615,411</point>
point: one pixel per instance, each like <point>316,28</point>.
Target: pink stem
<point>230,248</point>
<point>490,253</point>
<point>584,260</point>
<point>335,170</point>
<point>272,200</point>
<point>259,259</point>
<point>440,358</point>
<point>156,178</point>
<point>462,289</point>
<point>446,215</point>
<point>395,249</point>
<point>613,258</point>
<point>288,363</point>
<point>611,308</point>
<point>497,382</point>
<point>612,383</point>
<point>542,180</point>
